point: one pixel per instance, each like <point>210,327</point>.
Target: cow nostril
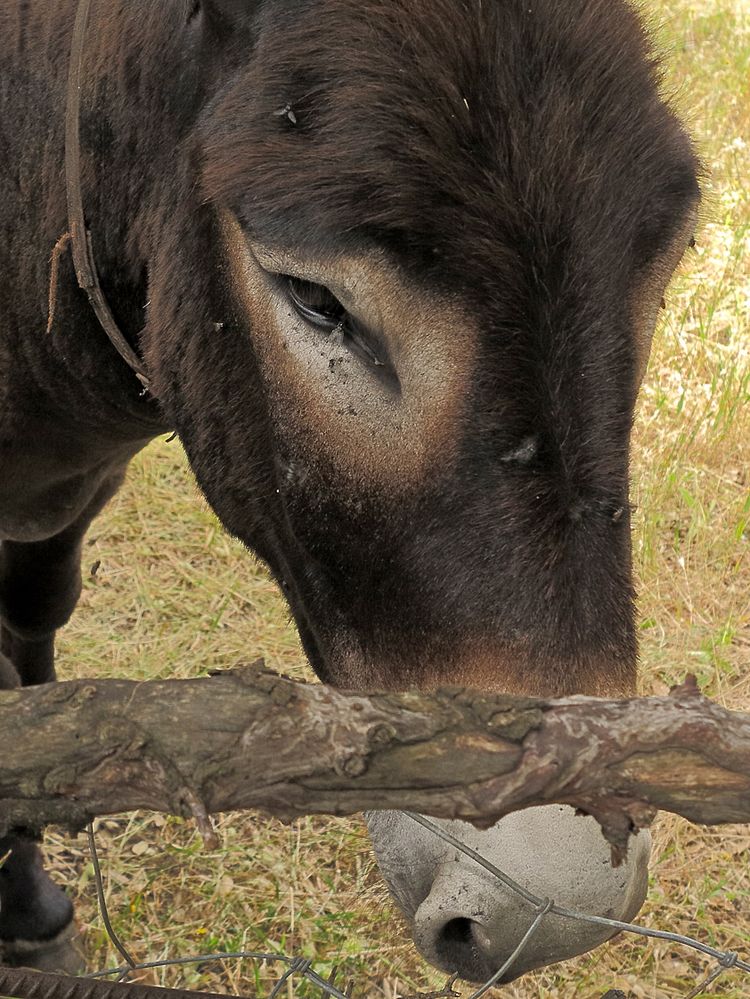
<point>463,943</point>
<point>457,932</point>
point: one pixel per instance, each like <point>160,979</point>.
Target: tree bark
<point>251,739</point>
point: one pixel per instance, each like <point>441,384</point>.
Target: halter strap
<point>83,254</point>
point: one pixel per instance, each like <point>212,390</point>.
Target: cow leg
<point>40,582</point>
<point>36,917</point>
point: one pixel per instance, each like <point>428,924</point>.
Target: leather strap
<point>83,254</point>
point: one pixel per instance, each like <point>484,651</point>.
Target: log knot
<point>515,725</point>
<point>62,780</point>
<point>351,766</point>
<point>121,734</point>
<point>380,736</point>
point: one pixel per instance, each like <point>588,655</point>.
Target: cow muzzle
<point>465,920</point>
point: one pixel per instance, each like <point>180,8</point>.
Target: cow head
<point>432,243</point>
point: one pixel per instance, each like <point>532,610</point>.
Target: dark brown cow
<point>392,267</point>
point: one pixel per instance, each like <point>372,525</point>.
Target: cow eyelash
<point>320,308</point>
<point>315,303</point>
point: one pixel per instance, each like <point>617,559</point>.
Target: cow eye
<point>320,308</point>
<point>315,303</point>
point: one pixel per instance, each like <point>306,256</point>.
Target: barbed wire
<point>37,985</point>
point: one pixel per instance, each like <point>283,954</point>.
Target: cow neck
<point>80,237</point>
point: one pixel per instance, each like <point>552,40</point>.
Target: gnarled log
<point>251,739</point>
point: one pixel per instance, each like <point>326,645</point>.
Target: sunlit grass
<point>174,596</point>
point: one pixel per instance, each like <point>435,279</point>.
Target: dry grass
<point>175,596</point>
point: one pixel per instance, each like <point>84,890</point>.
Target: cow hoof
<point>60,955</point>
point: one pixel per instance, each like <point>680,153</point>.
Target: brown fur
<point>516,194</point>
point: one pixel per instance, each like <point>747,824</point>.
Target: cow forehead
<point>436,127</point>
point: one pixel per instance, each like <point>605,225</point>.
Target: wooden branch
<point>251,739</point>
